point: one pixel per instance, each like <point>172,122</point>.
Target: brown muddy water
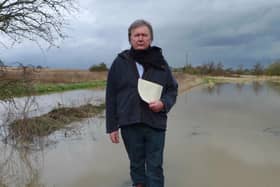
<point>226,136</point>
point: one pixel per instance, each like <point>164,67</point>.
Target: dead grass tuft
<point>25,130</point>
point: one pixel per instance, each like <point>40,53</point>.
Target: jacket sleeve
<point>111,116</point>
<point>170,92</point>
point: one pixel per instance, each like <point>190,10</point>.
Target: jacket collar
<point>161,64</point>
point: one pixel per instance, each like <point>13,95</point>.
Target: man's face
<point>140,38</point>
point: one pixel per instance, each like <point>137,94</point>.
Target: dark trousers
<point>145,146</point>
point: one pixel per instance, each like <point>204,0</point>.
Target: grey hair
<point>139,23</point>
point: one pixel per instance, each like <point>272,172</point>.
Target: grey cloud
<point>228,41</point>
<point>235,32</point>
<point>242,38</point>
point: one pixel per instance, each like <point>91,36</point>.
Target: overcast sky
<point>233,32</point>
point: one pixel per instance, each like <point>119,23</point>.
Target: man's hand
<point>114,136</point>
<point>156,106</point>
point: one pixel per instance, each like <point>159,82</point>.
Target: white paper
<point>149,91</point>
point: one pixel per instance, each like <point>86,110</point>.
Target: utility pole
<point>187,59</point>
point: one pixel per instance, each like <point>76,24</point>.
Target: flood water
<point>39,105</point>
<point>226,136</point>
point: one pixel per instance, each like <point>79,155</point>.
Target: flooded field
<point>227,135</point>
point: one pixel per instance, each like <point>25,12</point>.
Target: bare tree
<point>258,69</point>
<point>34,19</point>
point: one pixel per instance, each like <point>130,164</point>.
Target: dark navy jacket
<point>123,103</point>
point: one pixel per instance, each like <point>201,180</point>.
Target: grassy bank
<point>23,81</point>
<point>42,88</point>
<point>47,75</point>
<point>212,80</point>
<point>10,89</point>
<point>54,80</point>
<point>187,81</point>
<point>25,130</point>
<point>241,79</point>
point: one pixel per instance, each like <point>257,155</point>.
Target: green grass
<point>209,81</point>
<point>60,87</point>
<point>10,89</point>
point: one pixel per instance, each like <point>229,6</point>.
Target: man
<point>142,124</point>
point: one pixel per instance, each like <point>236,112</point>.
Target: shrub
<point>273,69</point>
<point>99,67</point>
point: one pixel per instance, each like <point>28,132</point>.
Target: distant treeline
<point>217,69</point>
<point>98,67</point>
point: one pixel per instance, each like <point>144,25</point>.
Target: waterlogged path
<point>223,136</point>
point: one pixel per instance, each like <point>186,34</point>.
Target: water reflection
<point>257,87</point>
<point>32,165</point>
<point>21,164</point>
<point>213,89</point>
<point>272,130</point>
<point>225,138</point>
<point>19,167</point>
<point>239,87</point>
<point>275,86</point>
